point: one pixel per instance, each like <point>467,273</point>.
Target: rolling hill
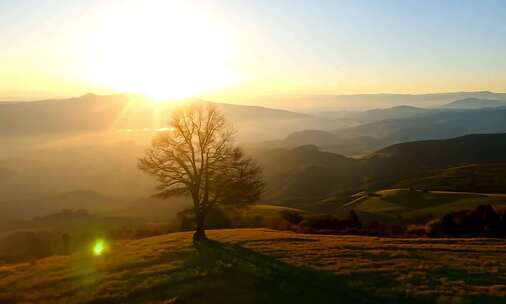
<point>484,178</point>
<point>414,158</point>
<point>326,141</point>
<point>306,172</point>
<point>265,266</point>
<point>306,175</point>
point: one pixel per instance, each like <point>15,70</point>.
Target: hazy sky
<point>228,49</point>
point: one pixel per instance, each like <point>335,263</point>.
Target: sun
<point>163,49</point>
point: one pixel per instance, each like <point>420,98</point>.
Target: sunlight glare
<point>163,49</point>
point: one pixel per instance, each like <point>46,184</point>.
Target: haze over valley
<point>107,133</point>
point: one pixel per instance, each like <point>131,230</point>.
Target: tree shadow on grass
<point>226,273</point>
<point>239,275</point>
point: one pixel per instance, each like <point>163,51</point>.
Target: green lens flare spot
<point>99,247</point>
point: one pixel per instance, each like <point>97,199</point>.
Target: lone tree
<point>197,157</point>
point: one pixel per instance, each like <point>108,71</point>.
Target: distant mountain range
<point>329,102</point>
<point>95,113</point>
<point>432,125</point>
<point>368,116</point>
<point>379,128</point>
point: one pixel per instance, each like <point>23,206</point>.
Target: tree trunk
<point>200,233</point>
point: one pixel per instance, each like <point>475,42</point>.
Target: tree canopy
<point>197,157</point>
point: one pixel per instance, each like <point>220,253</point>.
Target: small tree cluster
<point>482,221</point>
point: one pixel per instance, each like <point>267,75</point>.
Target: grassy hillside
<point>405,205</point>
<point>483,178</point>
<point>265,266</point>
<point>25,240</point>
<point>298,177</point>
<point>412,159</point>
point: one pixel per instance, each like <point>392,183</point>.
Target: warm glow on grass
<point>98,248</point>
<point>163,49</point>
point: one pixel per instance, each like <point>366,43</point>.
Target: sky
<point>227,50</point>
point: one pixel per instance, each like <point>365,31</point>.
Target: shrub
<point>375,228</point>
<point>416,230</point>
<point>434,227</point>
<point>482,221</point>
<point>328,223</point>
<point>397,229</point>
<point>292,217</point>
<point>353,221</point>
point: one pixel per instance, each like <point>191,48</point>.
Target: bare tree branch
<point>197,157</point>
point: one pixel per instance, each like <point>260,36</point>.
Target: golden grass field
<point>267,266</point>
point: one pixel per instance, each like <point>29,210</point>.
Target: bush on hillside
<point>292,217</point>
<point>329,224</point>
<point>481,221</point>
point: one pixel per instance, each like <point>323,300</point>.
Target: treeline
<point>483,221</point>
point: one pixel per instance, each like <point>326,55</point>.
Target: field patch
<point>410,206</point>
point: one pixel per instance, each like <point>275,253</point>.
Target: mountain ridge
<point>475,103</point>
<point>98,113</point>
<point>340,174</point>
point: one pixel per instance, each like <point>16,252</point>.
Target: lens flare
<point>98,248</point>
